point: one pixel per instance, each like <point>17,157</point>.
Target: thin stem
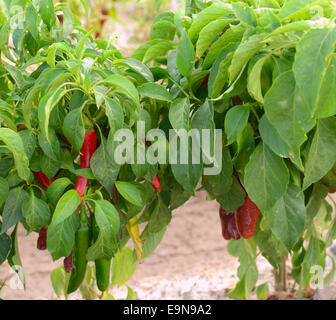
<point>283,273</point>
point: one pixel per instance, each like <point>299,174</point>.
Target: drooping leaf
<point>287,217</point>
<point>266,177</point>
<point>13,142</point>
<point>322,154</point>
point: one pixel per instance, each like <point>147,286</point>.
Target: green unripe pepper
<point>103,267</point>
<point>82,243</point>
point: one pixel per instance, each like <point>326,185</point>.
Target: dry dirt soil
<point>190,263</point>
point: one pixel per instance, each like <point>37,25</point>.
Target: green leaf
<point>179,113</point>
<point>227,42</point>
<point>235,121</point>
<point>47,12</point>
<point>232,199</point>
<point>150,241</point>
<point>68,20</point>
<point>31,100</point>
<point>123,85</point>
<point>209,33</point>
<point>311,58</point>
<point>286,111</point>
<point>266,177</point>
<point>103,248</point>
<point>36,213</point>
<point>247,271</point>
<point>58,280</point>
<point>31,21</point>
<point>14,259</point>
<point>219,185</point>
<point>49,166</point>
<point>245,14</point>
<point>322,154</point>
<point>254,81</point>
<point>16,74</point>
<point>123,266</point>
<point>245,51</point>
<point>132,192</point>
<point>104,168</point>
<point>139,67</point>
<point>273,140</point>
<point>155,91</point>
<point>293,8</point>
<point>326,104</point>
<point>73,128</point>
<point>5,247</point>
<point>293,26</point>
<point>287,217</point>
<point>13,142</point>
<point>156,50</point>
<point>163,29</point>
<point>65,207</point>
<point>186,173</point>
<point>219,74</point>
<point>211,13</point>
<point>52,149</point>
<point>4,190</point>
<point>107,217</point>
<point>29,142</point>
<point>185,55</point>
<point>61,236</point>
<point>46,105</point>
<point>160,217</point>
<point>57,188</point>
<point>262,291</point>
<point>12,213</point>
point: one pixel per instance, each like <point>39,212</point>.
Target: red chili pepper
<point>42,239</point>
<point>237,100</point>
<point>45,182</point>
<point>247,216</point>
<point>67,262</point>
<point>224,223</point>
<point>156,184</point>
<point>87,150</point>
<point>204,83</point>
<point>43,179</point>
<point>232,226</point>
<point>229,225</point>
<point>20,126</point>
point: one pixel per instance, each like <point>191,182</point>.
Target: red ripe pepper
<point>232,226</point>
<point>42,239</point>
<point>229,226</point>
<point>45,182</point>
<point>224,223</point>
<point>247,216</point>
<point>21,126</point>
<point>43,179</point>
<point>237,100</point>
<point>204,83</point>
<point>67,262</point>
<point>156,184</point>
<point>87,150</point>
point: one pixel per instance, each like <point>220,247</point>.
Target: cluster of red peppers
<point>240,223</point>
